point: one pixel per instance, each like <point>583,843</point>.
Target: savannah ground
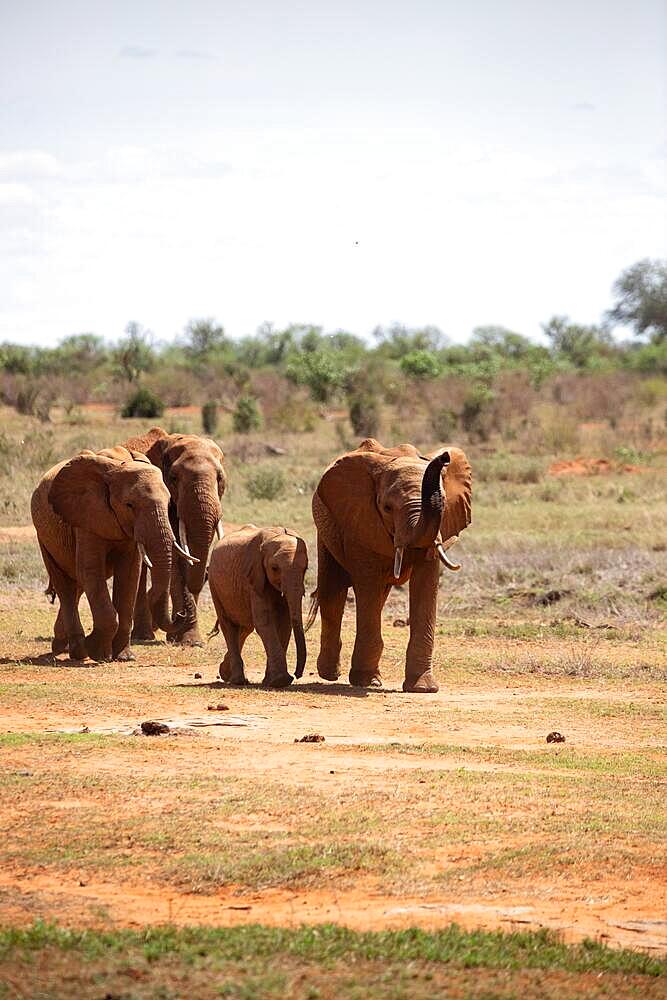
<point>414,812</point>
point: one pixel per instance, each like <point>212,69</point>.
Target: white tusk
<point>219,530</point>
<point>455,567</point>
<point>398,562</point>
<point>183,536</point>
<point>186,555</point>
<point>144,557</point>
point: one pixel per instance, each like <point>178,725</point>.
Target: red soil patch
<point>589,467</point>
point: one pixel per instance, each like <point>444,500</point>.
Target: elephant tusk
<point>186,555</point>
<point>144,557</point>
<point>444,559</point>
<point>183,536</point>
<point>398,562</point>
<point>219,530</point>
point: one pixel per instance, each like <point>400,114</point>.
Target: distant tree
<point>134,354</point>
<point>203,337</point>
<point>80,353</point>
<point>397,340</point>
<point>579,344</point>
<point>421,364</point>
<point>501,340</point>
<point>641,299</point>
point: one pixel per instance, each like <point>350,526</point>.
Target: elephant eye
<point>130,505</point>
<point>387,508</point>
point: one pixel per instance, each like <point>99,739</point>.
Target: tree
<point>203,337</point>
<point>641,299</point>
<point>579,344</point>
<point>134,355</point>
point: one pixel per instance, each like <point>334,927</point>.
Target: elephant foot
<point>189,638</point>
<point>327,671</point>
<point>98,649</point>
<point>77,648</point>
<point>125,655</point>
<point>143,634</point>
<point>423,684</point>
<point>277,681</point>
<point>225,671</point>
<point>365,680</point>
<point>238,680</point>
<point>59,644</point>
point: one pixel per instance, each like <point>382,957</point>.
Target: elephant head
<point>192,468</point>
<point>277,558</point>
<point>118,495</point>
<point>392,499</point>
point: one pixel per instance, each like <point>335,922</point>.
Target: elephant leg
<point>225,668</point>
<point>127,569</point>
<point>265,615</point>
<point>92,571</point>
<point>332,586</point>
<point>370,593</point>
<point>67,631</point>
<point>142,630</point>
<point>423,608</point>
<point>232,667</point>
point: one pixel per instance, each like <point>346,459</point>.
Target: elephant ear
<point>153,445</point>
<point>348,489</point>
<point>80,495</point>
<point>252,563</point>
<point>457,514</point>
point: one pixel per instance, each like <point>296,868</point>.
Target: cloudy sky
<point>342,162</point>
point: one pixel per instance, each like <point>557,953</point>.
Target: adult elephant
<point>97,516</point>
<point>383,519</point>
<point>192,468</point>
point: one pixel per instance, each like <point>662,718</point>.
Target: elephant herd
<point>150,510</point>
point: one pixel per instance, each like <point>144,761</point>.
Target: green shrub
<point>421,364</point>
<point>365,414</point>
<point>209,416</point>
<point>143,403</point>
<point>247,416</point>
<point>476,416</point>
<point>265,483</point>
<point>444,423</point>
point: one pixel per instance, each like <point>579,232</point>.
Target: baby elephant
<point>256,579</point>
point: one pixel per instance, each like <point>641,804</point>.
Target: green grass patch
<point>330,942</point>
<point>626,764</point>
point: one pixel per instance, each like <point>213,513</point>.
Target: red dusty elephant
<point>383,517</point>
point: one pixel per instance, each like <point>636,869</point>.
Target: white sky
<point>495,162</point>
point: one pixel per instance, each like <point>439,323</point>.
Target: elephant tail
<point>53,570</point>
<point>312,610</point>
<point>214,631</point>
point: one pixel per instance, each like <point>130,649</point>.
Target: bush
<point>209,417</point>
<point>265,483</point>
<point>444,423</point>
<point>365,414</point>
<point>476,416</point>
<point>247,416</point>
<point>143,403</point>
<point>421,364</point>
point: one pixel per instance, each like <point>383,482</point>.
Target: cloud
<point>196,54</point>
<point>28,164</point>
<point>584,106</point>
<point>136,52</point>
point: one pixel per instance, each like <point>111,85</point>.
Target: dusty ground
<point>413,811</point>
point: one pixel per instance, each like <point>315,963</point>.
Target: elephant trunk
<point>423,520</point>
<point>294,597</point>
<point>154,535</point>
<point>197,523</point>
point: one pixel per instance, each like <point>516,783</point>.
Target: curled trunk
<point>423,517</point>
